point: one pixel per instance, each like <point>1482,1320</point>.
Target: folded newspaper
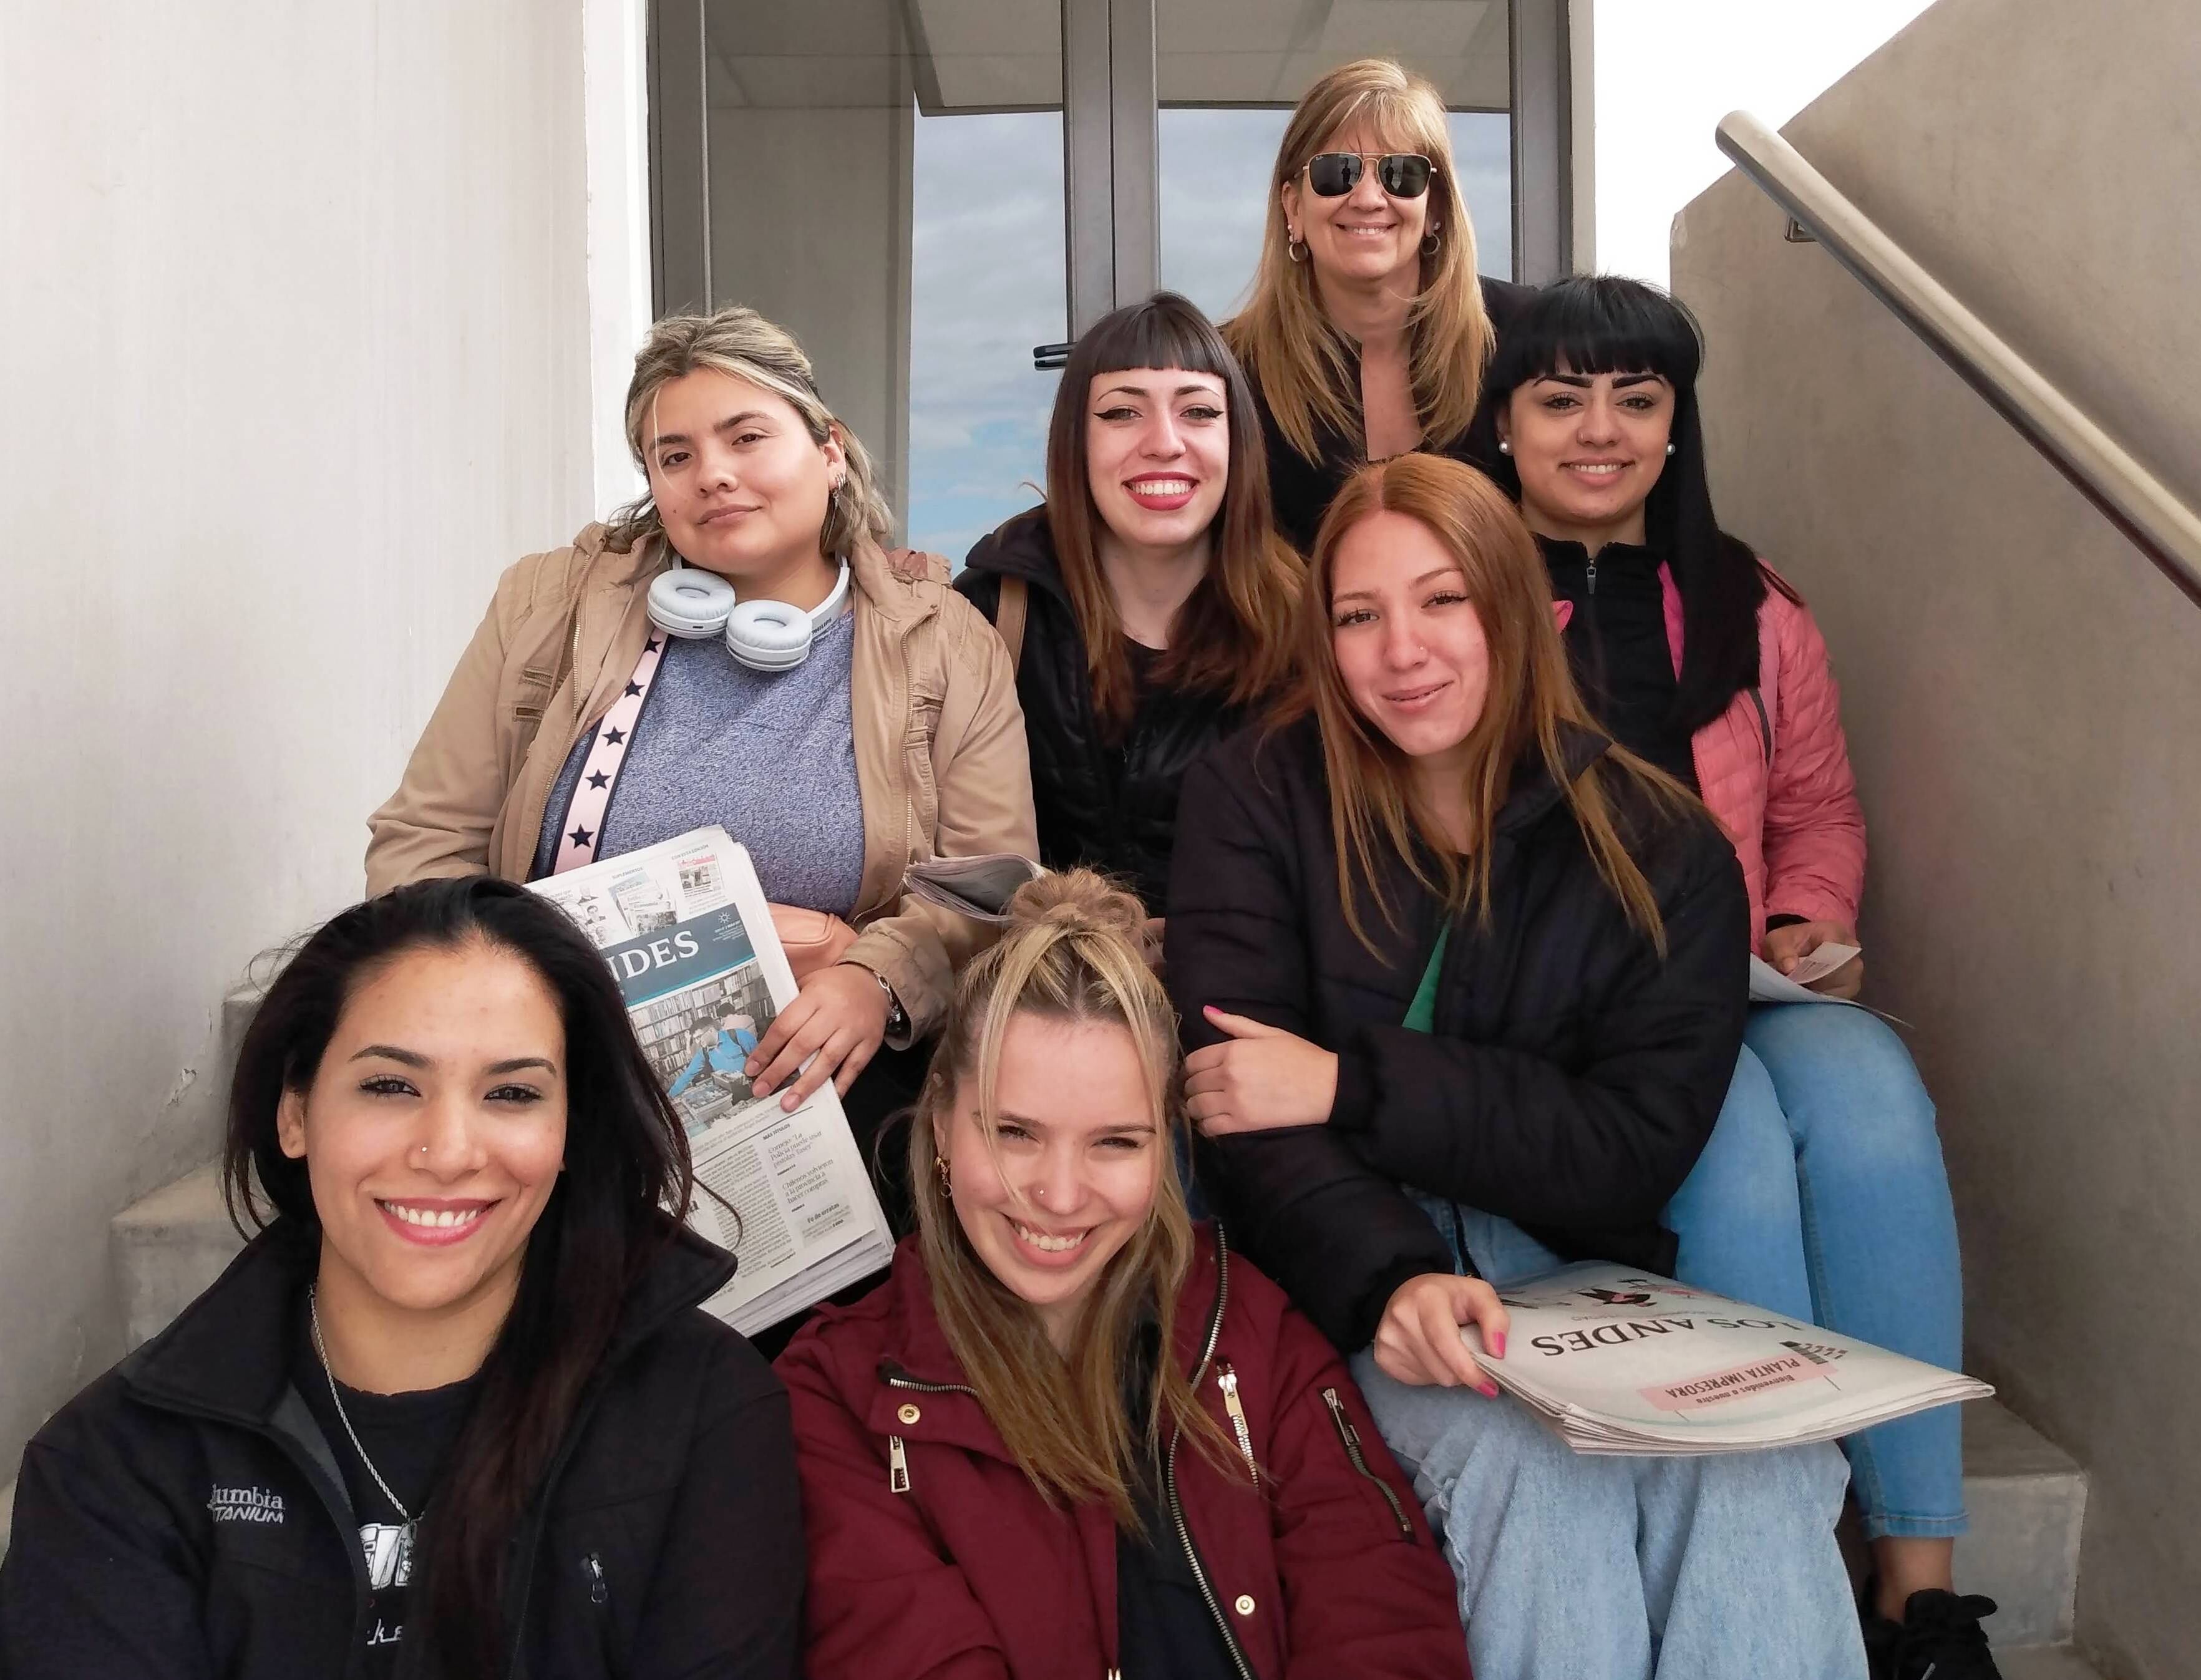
<point>1620,1361</point>
<point>687,931</point>
<point>979,887</point>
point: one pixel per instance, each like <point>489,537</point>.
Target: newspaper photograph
<point>1616,1361</point>
<point>688,934</point>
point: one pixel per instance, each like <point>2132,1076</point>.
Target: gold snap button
<point>1245,1605</point>
<point>909,1414</point>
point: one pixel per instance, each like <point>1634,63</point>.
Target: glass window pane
<point>987,286</point>
<point>1228,72</point>
<point>885,180</point>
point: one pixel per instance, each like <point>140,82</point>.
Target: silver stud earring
<point>1670,449</point>
<point>1504,448</point>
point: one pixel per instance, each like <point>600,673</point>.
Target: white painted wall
<point>1662,72</point>
<point>294,345</point>
<point>615,82</point>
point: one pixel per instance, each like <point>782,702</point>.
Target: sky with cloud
<point>987,280</point>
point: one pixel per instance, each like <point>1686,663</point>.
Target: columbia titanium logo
<point>244,1505</point>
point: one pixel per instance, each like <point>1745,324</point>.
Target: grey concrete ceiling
<point>1006,55</point>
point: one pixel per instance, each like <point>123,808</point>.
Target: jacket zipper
<point>1227,1380</point>
<point>600,1591</point>
<point>1596,640</point>
<point>1351,1437</point>
<point>1168,1469</point>
<point>897,1453</point>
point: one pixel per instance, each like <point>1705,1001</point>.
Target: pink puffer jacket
<point>1775,769</point>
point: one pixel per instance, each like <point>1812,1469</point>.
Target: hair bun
<point>1077,901</point>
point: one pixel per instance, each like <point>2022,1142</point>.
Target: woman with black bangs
<point>1699,658</point>
<point>1146,604</point>
<point>454,1411</point>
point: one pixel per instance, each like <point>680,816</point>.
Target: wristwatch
<point>897,1017</point>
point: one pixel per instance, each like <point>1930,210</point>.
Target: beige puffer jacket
<point>941,762</point>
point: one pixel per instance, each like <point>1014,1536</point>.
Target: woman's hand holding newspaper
<point>837,1021</point>
<point>1419,1340</point>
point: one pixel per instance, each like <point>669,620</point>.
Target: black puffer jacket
<point>1571,1079</point>
<point>1302,489</point>
<point>669,1542</point>
<point>1111,806</point>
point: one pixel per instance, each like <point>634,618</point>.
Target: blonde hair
<point>1299,361</point>
<point>1531,701</point>
<point>741,342</point>
<point>1071,954</point>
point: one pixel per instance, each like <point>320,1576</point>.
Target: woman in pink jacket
<point>1822,1189</point>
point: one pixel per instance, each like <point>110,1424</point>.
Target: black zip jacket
<point>1572,1078</point>
<point>1615,642</point>
<point>184,1517</point>
<point>1302,489</point>
<point>1109,806</point>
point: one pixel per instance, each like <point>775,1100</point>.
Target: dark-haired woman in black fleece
<point>1147,604</point>
<point>454,1412</point>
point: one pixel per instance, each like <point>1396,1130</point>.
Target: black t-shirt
<point>1616,641</point>
<point>1164,1630</point>
<point>409,1436</point>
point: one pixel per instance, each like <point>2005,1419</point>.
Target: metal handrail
<point>2137,502</point>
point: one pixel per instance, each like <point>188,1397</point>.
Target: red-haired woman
<point>1467,986</point>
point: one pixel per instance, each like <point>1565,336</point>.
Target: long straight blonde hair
<point>1071,954</point>
<point>1300,361</point>
<point>1531,705</point>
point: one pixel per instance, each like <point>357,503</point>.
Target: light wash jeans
<point>1572,1567</point>
<point>1822,1194</point>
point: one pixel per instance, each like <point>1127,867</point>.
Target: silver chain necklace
<point>321,1348</point>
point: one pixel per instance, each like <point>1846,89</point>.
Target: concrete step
<point>2045,1662</point>
<point>2027,1499</point>
<point>168,1247</point>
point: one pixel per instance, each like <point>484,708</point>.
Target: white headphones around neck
<point>763,634</point>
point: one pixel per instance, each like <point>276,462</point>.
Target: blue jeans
<point>1722,1567</point>
<point>1822,1194</point>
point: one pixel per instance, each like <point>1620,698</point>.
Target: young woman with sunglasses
<point>1367,329</point>
<point>1699,659</point>
<point>1074,1434</point>
<point>844,717</point>
<point>455,1410</point>
<point>1148,602</point>
<point>1466,985</point>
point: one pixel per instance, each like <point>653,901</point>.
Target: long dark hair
<point>1608,324</point>
<point>626,1160</point>
<point>1233,635</point>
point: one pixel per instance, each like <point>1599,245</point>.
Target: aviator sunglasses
<point>1403,175</point>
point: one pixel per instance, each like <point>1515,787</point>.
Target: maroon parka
<point>933,1557</point>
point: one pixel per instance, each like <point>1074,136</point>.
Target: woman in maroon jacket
<point>1008,1468</point>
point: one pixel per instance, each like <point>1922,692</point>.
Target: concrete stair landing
<point>2027,1499</point>
<point>168,1247</point>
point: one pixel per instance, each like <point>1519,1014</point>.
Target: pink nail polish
<point>1488,1390</point>
<point>1498,1344</point>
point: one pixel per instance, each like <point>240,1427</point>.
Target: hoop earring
<point>1295,248</point>
<point>1432,244</point>
<point>946,1184</point>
